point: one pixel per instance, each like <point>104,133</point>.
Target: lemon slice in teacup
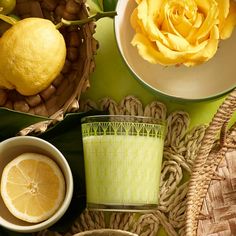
<point>32,187</point>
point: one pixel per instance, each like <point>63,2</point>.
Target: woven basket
<point>105,232</point>
<point>65,90</point>
<point>211,200</point>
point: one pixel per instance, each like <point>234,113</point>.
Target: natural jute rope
<point>181,148</point>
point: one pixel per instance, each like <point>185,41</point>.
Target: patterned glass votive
<point>123,156</point>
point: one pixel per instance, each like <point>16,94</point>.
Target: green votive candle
<point>123,156</point>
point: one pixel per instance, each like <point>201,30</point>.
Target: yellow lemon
<point>32,187</point>
<point>7,6</point>
<point>32,54</point>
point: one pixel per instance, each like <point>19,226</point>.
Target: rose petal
<point>177,43</point>
<point>171,54</point>
<point>154,7</point>
<point>199,20</point>
<point>151,28</point>
<point>223,6</point>
<point>143,12</point>
<point>207,52</point>
<point>184,27</point>
<point>207,25</point>
<point>230,22</point>
<point>147,22</point>
<point>135,22</point>
<point>203,5</point>
<point>149,52</point>
<point>167,24</point>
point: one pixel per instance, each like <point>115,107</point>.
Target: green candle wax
<point>122,169</point>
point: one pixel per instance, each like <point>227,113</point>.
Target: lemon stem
<point>94,17</point>
<point>8,19</point>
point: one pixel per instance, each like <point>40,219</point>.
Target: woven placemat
<point>181,147</point>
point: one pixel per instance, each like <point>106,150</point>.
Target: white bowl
<point>206,81</point>
<point>11,148</point>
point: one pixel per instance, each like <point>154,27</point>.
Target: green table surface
<point>113,79</point>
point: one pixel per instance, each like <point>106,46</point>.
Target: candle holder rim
<point>94,117</point>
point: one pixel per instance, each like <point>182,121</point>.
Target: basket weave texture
<point>211,200</point>
<point>65,90</point>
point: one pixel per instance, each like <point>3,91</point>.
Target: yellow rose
<point>173,32</point>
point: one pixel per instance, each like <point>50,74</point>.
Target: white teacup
<point>13,147</point>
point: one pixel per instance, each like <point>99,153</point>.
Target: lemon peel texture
<point>32,54</point>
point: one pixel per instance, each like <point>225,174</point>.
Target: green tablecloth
<point>112,78</point>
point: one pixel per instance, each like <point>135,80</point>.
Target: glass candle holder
<point>123,156</point>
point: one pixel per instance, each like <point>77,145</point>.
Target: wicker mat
<point>181,147</point>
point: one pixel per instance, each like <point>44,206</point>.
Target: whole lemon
<point>32,54</point>
<point>7,6</point>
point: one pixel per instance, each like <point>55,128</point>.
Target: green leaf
<point>12,122</point>
<point>101,6</point>
<point>8,19</point>
<point>100,2</point>
<point>109,5</point>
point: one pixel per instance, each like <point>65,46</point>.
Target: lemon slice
<point>32,187</point>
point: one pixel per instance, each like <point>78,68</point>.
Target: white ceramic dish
<point>11,148</point>
<point>206,81</point>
